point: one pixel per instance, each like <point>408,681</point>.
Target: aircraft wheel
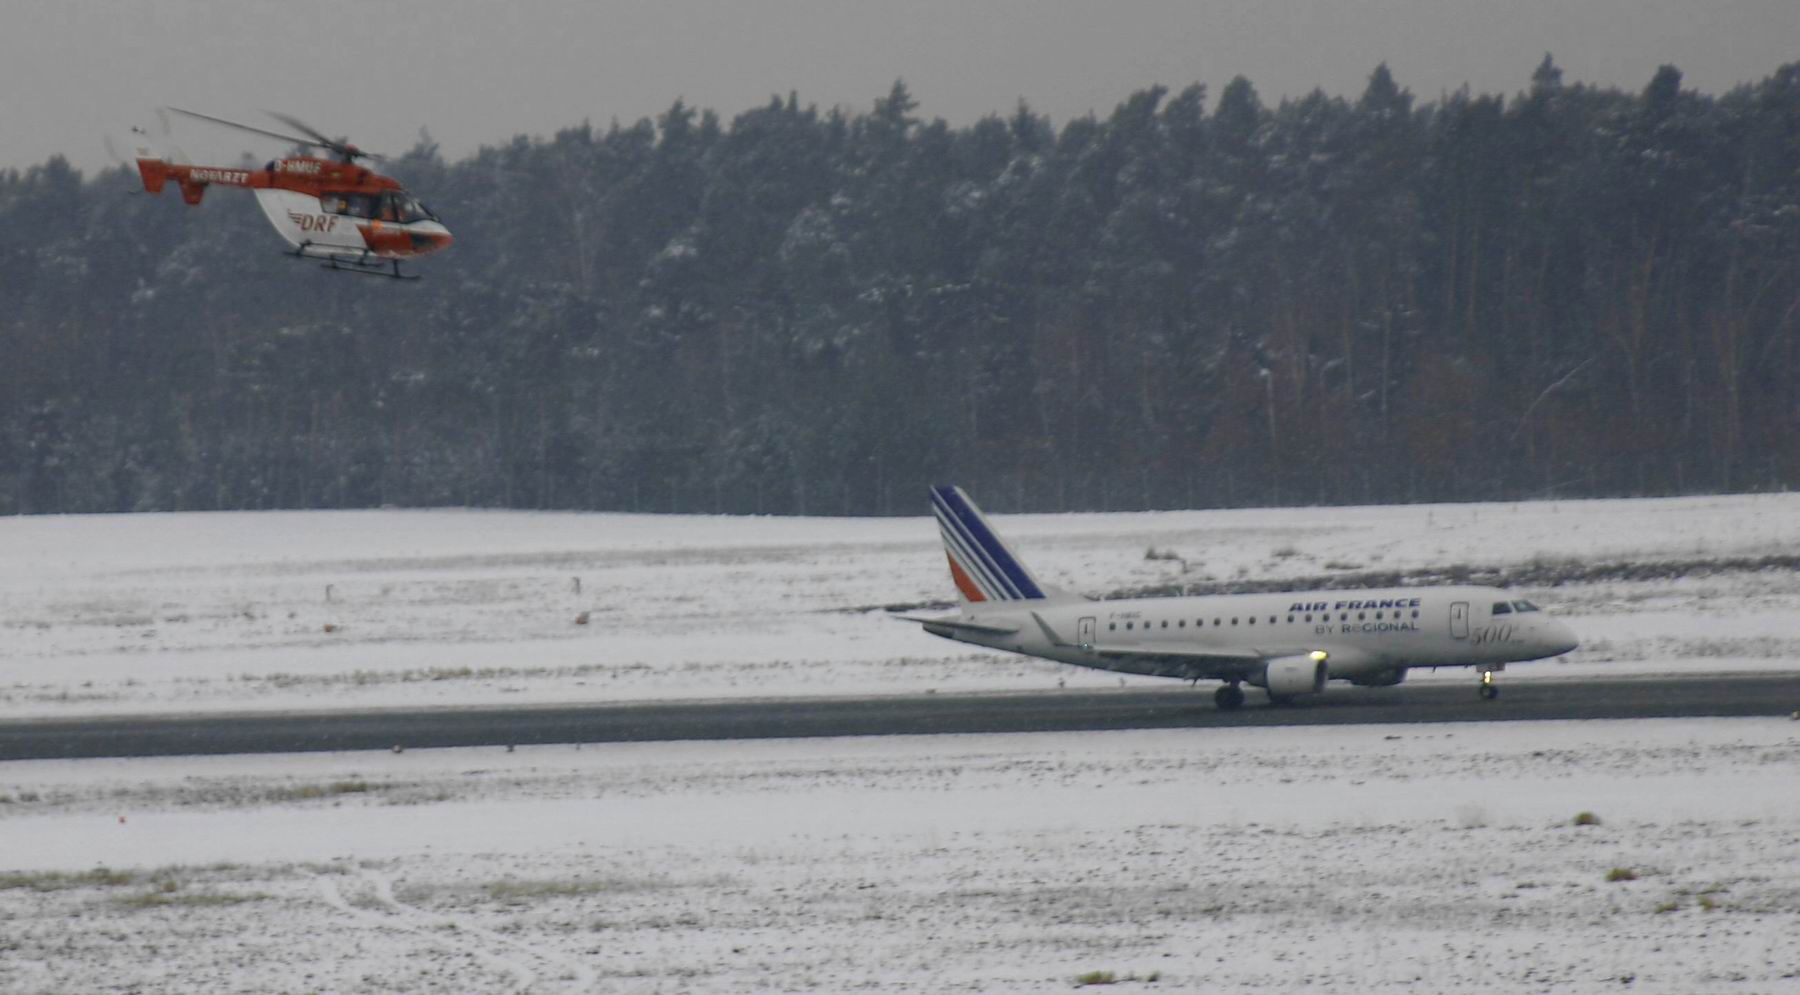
<point>1489,692</point>
<point>1229,697</point>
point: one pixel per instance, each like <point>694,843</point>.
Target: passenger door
<point>1459,620</point>
<point>1084,632</point>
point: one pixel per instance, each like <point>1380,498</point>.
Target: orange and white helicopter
<point>336,210</point>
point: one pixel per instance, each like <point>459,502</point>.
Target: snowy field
<point>1364,859</point>
<point>139,613</point>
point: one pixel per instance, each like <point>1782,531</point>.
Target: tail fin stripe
<point>993,582</point>
<point>992,548</point>
<point>992,553</point>
<point>960,577</point>
<point>970,559</point>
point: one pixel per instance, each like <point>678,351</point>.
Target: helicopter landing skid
<point>363,263</point>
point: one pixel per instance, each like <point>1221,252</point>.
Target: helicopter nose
<point>430,237</point>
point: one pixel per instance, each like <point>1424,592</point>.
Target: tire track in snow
<point>583,977</point>
<point>523,976</point>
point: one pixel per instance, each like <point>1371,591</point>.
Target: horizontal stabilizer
<point>957,623</point>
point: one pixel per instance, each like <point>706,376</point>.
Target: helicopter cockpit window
<point>411,210</point>
<point>357,205</point>
<point>387,207</point>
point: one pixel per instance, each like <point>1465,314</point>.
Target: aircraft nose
<point>431,238</point>
<point>1560,637</point>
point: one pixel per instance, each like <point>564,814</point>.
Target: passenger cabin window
<point>1502,608</point>
<point>1524,606</point>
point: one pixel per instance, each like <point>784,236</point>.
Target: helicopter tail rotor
<point>169,151</point>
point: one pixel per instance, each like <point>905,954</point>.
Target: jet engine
<point>1292,675</point>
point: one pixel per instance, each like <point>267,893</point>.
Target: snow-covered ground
<point>141,613</point>
<point>1367,859</point>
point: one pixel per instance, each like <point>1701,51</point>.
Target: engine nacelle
<point>1292,675</point>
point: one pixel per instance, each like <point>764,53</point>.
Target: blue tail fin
<point>980,562</point>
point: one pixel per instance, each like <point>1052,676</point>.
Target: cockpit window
<point>412,210</point>
<point>389,206</point>
<point>1524,606</point>
<point>357,205</point>
<point>1502,608</point>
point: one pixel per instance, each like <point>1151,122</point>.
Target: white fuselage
<point>1366,637</point>
<point>313,231</point>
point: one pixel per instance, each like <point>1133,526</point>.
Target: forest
<point>1194,301</point>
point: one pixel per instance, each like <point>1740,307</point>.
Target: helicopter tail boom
<point>193,180</point>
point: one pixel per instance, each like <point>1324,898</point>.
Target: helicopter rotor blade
<point>341,146</point>
<point>319,137</point>
<point>250,128</point>
<point>169,150</point>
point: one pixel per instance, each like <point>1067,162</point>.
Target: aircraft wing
<point>1228,658</point>
<point>1228,661</point>
<point>956,623</point>
<point>1213,665</point>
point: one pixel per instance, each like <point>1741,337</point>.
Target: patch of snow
<point>1380,858</point>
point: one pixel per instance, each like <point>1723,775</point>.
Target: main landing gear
<point>1229,697</point>
<point>1489,690</point>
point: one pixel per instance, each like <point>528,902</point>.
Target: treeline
<point>1570,291</point>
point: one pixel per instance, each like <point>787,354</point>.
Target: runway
<point>1177,706</point>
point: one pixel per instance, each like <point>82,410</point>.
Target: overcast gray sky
<point>480,71</point>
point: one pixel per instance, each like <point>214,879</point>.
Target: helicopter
<point>336,210</point>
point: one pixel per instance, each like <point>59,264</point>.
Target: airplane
<point>1287,644</point>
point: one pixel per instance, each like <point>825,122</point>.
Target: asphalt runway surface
<point>1175,707</point>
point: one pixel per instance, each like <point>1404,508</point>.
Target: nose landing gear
<point>1489,690</point>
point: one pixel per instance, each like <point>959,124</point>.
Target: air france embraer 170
<point>1287,644</point>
